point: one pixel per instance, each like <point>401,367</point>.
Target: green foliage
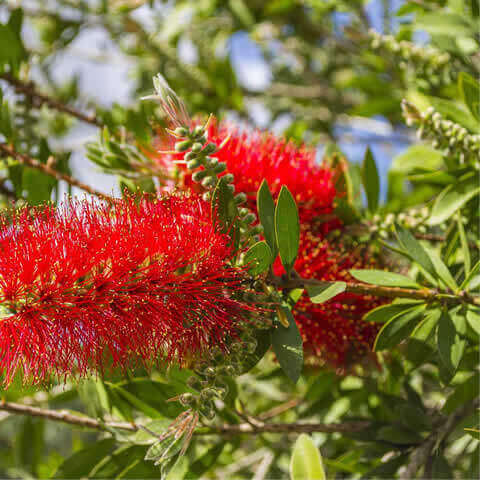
<point>306,462</point>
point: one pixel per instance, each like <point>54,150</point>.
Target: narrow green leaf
<point>463,394</point>
<point>470,90</point>
<point>205,462</point>
<point>473,319</point>
<point>306,462</point>
<point>258,258</point>
<point>453,198</point>
<point>467,261</point>
<point>414,250</point>
<point>397,329</point>
<point>475,269</point>
<point>266,213</point>
<point>424,329</point>
<point>136,402</point>
<point>450,339</point>
<point>381,277</point>
<point>371,181</point>
<point>442,270</point>
<point>288,347</point>
<point>385,313</point>
<point>322,293</point>
<point>287,228</point>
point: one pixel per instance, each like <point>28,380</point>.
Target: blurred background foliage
<point>311,69</point>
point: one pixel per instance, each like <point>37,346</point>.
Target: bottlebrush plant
<point>247,304</point>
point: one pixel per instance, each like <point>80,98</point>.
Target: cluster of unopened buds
<point>413,219</point>
<point>445,134</point>
<point>427,61</point>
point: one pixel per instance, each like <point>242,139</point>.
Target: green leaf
<point>225,211</point>
<point>453,198</point>
<point>82,462</point>
<point>450,339</point>
<point>287,228</point>
<point>205,462</point>
<point>414,417</point>
<point>414,250</point>
<point>441,468</point>
<point>424,329</point>
<point>442,270</point>
<point>306,462</point>
<point>397,329</point>
<point>473,319</point>
<point>381,277</point>
<point>258,258</point>
<point>266,213</point>
<point>468,278</point>
<point>385,313</point>
<point>463,394</point>
<point>136,402</point>
<point>470,90</point>
<point>371,181</point>
<point>417,155</point>
<point>288,347</point>
<point>467,261</point>
<point>322,293</point>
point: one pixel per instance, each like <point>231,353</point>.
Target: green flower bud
<point>198,131</point>
<point>220,167</point>
<point>198,176</point>
<point>209,372</point>
<point>210,148</point>
<point>240,198</point>
<point>187,399</point>
<point>196,147</point>
<point>250,218</point>
<point>181,131</point>
<point>183,146</point>
<point>209,182</point>
<point>192,164</point>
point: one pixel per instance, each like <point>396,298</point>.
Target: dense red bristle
<point>135,282</point>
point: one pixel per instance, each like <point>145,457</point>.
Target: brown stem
<point>421,455</point>
<point>227,429</point>
<point>7,150</point>
<point>427,295</point>
<point>29,89</point>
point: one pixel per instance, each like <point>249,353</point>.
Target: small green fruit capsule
<point>187,399</point>
<point>181,131</point>
<point>210,148</point>
<point>228,177</point>
<point>190,156</point>
<point>240,198</point>
<point>183,146</point>
<point>211,161</point>
<point>231,188</point>
<point>208,394</point>
<point>250,218</point>
<point>208,411</point>
<point>209,372</point>
<point>209,182</point>
<point>198,131</point>
<point>192,164</point>
<point>229,370</point>
<point>220,167</point>
<point>195,383</point>
<point>198,176</point>
<point>243,211</point>
<point>196,147</point>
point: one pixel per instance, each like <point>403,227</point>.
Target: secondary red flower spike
<point>84,285</point>
<point>334,331</point>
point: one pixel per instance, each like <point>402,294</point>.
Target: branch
<point>227,429</point>
<point>7,150</point>
<point>29,89</point>
<point>425,294</point>
<point>420,455</point>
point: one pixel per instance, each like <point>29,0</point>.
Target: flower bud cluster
<point>412,219</point>
<point>444,134</point>
<point>426,61</point>
<point>207,170</point>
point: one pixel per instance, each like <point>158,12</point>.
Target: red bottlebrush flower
<point>334,331</point>
<point>83,283</point>
<point>252,156</point>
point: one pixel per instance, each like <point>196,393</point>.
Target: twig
<point>7,150</point>
<point>420,455</point>
<point>428,295</point>
<point>226,429</point>
<point>279,409</point>
<point>29,89</point>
